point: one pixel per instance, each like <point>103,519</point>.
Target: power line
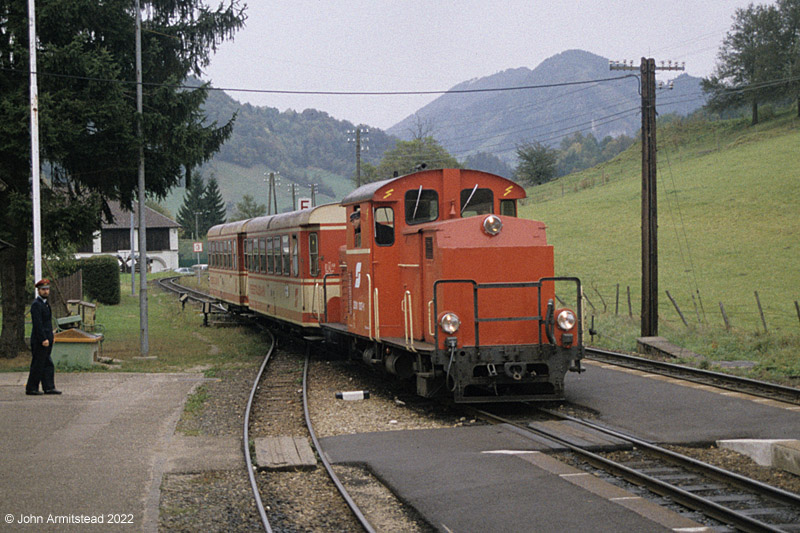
<point>329,93</point>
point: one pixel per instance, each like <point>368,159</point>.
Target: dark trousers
<point>42,369</point>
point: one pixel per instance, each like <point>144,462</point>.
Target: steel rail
<point>328,467</point>
<point>720,474</point>
<point>170,285</point>
<point>246,439</point>
<point>698,375</point>
<point>692,501</point>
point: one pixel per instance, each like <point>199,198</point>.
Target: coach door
<point>387,291</point>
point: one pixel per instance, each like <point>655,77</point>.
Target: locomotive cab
<point>441,281</point>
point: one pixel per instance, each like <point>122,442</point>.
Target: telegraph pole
<point>144,341</point>
<point>648,69</point>
<point>272,197</point>
<point>357,139</point>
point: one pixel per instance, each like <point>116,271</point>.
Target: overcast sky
<point>419,45</point>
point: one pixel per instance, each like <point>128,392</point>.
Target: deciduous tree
<point>537,164</point>
<point>750,62</point>
<point>248,208</point>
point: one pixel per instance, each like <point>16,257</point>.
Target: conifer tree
<point>87,115</point>
<point>213,206</point>
<point>192,206</point>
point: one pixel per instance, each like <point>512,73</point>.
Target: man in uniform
<point>42,368</point>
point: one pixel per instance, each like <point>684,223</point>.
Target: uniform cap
<point>43,284</point>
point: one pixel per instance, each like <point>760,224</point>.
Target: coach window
<point>476,201</point>
<point>384,226</point>
<point>259,259</point>
<point>285,253</point>
<point>276,255</point>
<point>422,205</point>
<point>313,255</point>
<point>269,263</point>
<point>295,258</point>
<point>508,208</point>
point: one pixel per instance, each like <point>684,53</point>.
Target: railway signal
<point>648,69</point>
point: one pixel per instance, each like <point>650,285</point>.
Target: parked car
<point>184,270</point>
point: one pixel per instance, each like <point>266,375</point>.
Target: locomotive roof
<point>323,214</point>
<point>367,192</point>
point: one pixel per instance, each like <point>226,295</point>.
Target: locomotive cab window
<point>476,201</point>
<point>508,208</point>
<point>422,205</point>
<point>384,226</point>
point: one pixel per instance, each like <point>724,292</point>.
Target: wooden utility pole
<point>272,198</point>
<point>647,69</point>
<point>358,140</point>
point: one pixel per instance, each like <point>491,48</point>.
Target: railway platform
<point>92,458</point>
<point>490,478</point>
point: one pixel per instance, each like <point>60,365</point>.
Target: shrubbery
<point>101,278</point>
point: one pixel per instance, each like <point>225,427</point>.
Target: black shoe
<point>52,391</point>
<point>33,392</point>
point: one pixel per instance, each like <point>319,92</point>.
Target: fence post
<point>630,308</point>
<point>761,312</point>
<point>725,317</point>
<point>616,309</point>
<point>678,309</point>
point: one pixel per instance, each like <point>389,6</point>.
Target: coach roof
<point>323,214</point>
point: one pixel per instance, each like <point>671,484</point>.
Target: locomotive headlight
<point>492,225</point>
<point>566,320</point>
<point>450,323</point>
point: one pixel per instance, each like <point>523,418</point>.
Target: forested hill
<point>297,145</point>
<point>497,122</point>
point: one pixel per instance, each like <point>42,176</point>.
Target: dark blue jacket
<point>41,316</point>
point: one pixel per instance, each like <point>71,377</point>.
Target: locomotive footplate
<point>506,373</point>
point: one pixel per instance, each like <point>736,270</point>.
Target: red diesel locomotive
<point>429,275</point>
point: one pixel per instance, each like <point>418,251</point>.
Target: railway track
<point>281,391</point>
<point>274,398</point>
<point>729,498</point>
<point>707,377</point>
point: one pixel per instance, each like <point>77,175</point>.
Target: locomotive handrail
<point>430,322</point>
<point>369,307</point>
<point>579,312</point>
<point>377,317</point>
<point>325,291</point>
<point>408,315</point>
<point>509,285</point>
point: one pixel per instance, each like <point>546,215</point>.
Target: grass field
<point>729,222</point>
<point>177,338</point>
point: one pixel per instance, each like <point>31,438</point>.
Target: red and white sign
<point>303,203</point>
<point>198,247</point>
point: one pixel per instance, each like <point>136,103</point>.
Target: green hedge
<point>101,278</point>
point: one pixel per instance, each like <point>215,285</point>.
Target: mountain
<point>496,122</point>
<point>303,148</point>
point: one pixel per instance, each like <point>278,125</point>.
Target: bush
<point>101,278</point>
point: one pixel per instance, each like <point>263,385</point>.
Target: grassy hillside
<point>729,225</point>
<point>235,181</point>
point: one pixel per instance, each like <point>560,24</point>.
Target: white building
<point>114,238</point>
